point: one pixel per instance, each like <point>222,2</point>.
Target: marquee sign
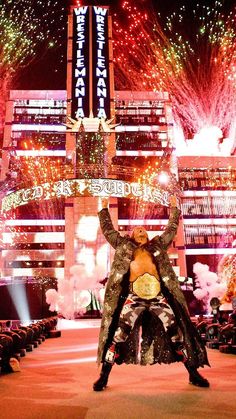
<point>101,91</point>
<point>90,63</point>
<point>85,187</point>
<point>80,63</point>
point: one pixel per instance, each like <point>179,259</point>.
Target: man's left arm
<point>170,231</point>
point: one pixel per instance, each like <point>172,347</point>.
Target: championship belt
<point>146,286</point>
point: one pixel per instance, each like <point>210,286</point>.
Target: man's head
<point>139,235</point>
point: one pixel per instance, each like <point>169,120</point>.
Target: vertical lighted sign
<point>101,82</point>
<point>80,63</point>
<point>90,63</point>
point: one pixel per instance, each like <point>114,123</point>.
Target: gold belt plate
<point>146,286</point>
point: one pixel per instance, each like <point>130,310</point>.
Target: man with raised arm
<point>143,291</point>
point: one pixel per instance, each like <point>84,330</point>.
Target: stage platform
<point>56,380</point>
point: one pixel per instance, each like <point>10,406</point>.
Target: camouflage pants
<point>134,306</point>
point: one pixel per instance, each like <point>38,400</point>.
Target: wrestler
<point>143,291</point>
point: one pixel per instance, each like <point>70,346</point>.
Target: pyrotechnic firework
<point>28,29</point>
<point>192,56</point>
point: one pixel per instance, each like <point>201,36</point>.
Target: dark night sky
<point>49,72</point>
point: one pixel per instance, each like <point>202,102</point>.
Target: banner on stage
<point>85,187</point>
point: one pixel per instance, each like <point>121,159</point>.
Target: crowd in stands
<point>219,331</point>
<point>16,340</point>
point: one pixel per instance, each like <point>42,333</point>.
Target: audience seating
<point>16,340</point>
<point>219,333</point>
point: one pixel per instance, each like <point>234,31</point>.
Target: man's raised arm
<point>112,236</point>
<point>171,229</point>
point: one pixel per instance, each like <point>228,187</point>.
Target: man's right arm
<point>170,231</point>
<point>112,236</point>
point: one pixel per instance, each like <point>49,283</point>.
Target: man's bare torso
<point>142,264</point>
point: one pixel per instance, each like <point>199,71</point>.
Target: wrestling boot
<point>195,378</point>
<point>101,383</point>
<point>108,363</point>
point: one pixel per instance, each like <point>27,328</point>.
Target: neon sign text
<point>101,61</point>
<point>80,70</point>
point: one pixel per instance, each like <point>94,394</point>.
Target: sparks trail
<point>28,30</point>
<point>192,56</point>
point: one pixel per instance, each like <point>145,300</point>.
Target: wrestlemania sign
<point>90,62</point>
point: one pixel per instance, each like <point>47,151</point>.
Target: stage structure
<point>64,149</point>
<point>90,138</point>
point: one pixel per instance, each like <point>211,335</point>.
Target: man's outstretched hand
<point>105,202</point>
